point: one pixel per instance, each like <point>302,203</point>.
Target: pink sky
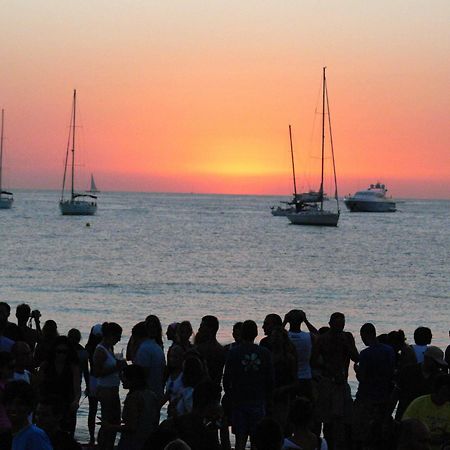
<point>196,96</point>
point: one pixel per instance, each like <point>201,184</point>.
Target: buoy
<point>88,224</point>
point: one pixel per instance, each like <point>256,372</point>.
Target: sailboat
<point>316,215</point>
<point>78,204</point>
<point>93,189</point>
<point>299,201</point>
<point>6,198</point>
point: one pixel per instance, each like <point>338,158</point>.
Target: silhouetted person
<point>303,342</point>
<point>418,379</point>
<point>106,370</point>
<point>207,345</point>
<point>19,400</point>
<point>248,381</point>
<point>95,337</point>
<point>150,356</point>
<point>333,352</point>
<point>271,322</point>
<point>11,330</point>
<point>25,317</point>
<point>434,411</point>
<point>301,418</point>
<point>422,339</point>
<point>59,376</point>
<point>48,415</point>
<point>374,372</point>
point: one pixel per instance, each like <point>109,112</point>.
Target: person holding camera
<point>25,318</point>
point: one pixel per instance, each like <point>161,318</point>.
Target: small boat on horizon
<point>78,204</point>
<point>93,189</point>
<point>6,198</point>
<point>373,199</point>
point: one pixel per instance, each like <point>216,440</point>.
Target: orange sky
<point>196,96</point>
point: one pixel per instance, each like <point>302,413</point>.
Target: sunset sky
<point>197,96</point>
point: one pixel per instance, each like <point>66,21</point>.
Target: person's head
<point>423,336</point>
<point>249,331</point>
<point>50,329</point>
<point>23,312</point>
<point>368,333</point>
<point>294,318</point>
<point>95,337</point>
<point>270,322</point>
<point>133,377</point>
<point>323,330</point>
<point>6,366</point>
<point>268,435</point>
<point>441,389</point>
<point>19,400</point>
<point>396,340</point>
<point>301,413</point>
<point>111,332</point>
<point>21,352</point>
<point>413,435</point>
<point>171,331</point>
<point>74,336</point>
<point>139,331</point>
<point>337,322</point>
<point>177,444</point>
<point>237,332</point>
<point>63,351</point>
<point>210,324</point>
<point>5,309</point>
<point>193,371</point>
<point>383,338</point>
<point>433,360</point>
<point>154,328</point>
<point>48,414</point>
<point>184,331</point>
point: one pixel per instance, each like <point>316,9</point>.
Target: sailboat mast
<point>73,139</point>
<point>323,137</point>
<point>293,165</point>
<point>1,150</point>
<point>336,196</point>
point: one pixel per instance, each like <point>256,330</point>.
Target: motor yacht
<point>373,199</point>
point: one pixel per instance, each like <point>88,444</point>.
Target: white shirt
<point>303,344</point>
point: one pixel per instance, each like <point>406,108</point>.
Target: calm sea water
<point>183,256</point>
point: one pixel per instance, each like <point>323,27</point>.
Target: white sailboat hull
<point>6,202</point>
<point>315,217</point>
<point>77,208</point>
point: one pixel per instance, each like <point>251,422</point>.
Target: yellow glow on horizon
<point>238,157</point>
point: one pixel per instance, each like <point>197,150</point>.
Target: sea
<point>182,256</point>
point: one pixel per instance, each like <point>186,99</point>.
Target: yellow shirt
<point>436,417</point>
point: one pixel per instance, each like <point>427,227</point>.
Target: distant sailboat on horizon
<point>6,198</point>
<point>93,189</point>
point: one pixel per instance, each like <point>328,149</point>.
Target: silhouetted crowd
<point>290,391</point>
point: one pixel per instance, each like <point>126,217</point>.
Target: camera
<point>35,314</point>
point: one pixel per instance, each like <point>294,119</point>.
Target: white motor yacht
<point>373,199</point>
